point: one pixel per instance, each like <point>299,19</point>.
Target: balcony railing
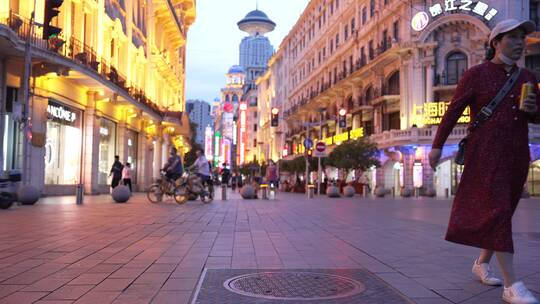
<point>359,64</point>
<point>80,53</point>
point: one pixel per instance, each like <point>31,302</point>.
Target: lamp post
<point>321,111</point>
<point>279,150</point>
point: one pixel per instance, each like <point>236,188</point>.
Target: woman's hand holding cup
<point>527,102</point>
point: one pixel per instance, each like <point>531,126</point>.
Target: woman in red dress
<point>496,159</point>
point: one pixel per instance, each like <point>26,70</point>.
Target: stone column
<point>427,174</point>
<point>158,156</point>
<point>379,174</point>
<point>165,147</point>
<point>35,170</point>
<point>122,140</point>
<point>3,88</point>
<point>340,103</point>
<point>408,154</point>
<point>145,156</point>
<point>429,81</point>
<point>90,146</point>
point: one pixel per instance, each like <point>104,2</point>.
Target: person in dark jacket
<point>225,175</point>
<point>116,172</point>
<point>174,167</point>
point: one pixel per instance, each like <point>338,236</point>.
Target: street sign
<point>308,143</point>
<point>320,150</point>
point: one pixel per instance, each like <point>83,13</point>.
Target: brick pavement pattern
<point>101,252</point>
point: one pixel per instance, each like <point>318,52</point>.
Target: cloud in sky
<point>214,39</point>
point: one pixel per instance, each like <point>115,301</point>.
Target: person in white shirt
<point>126,176</point>
<point>203,167</point>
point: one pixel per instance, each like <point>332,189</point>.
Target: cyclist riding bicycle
<point>203,169</point>
<point>174,167</point>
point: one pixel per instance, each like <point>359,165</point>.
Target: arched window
<point>350,103</point>
<point>392,87</point>
<point>456,64</point>
<point>227,98</point>
<point>369,95</point>
<point>235,98</point>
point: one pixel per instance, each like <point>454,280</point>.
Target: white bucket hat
<point>508,25</point>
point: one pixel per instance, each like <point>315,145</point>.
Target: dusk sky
<point>214,39</point>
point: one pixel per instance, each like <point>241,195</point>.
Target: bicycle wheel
<point>154,194</point>
<point>180,195</point>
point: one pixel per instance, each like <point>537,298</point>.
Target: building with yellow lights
<point>111,83</point>
<point>393,66</point>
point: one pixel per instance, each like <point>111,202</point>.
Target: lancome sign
<point>421,19</point>
<point>62,114</point>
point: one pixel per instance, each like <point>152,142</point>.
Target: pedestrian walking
<point>496,157</point>
<point>234,180</point>
<point>116,172</point>
<point>225,175</point>
<point>126,176</point>
<point>272,177</point>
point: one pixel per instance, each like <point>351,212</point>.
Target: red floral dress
<point>496,159</point>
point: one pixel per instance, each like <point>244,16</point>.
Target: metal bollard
<point>272,193</point>
<point>393,191</point>
<point>264,189</point>
<point>80,194</point>
<point>311,191</point>
<point>446,192</point>
<point>365,190</point>
<point>417,192</point>
<point>223,192</point>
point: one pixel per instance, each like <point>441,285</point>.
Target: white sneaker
<point>518,294</point>
<point>485,274</point>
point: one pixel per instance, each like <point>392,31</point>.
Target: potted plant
<point>360,154</point>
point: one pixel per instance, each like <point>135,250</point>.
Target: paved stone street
<point>58,252</point>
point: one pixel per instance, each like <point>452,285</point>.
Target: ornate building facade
<point>111,83</point>
<point>393,66</point>
<point>227,118</point>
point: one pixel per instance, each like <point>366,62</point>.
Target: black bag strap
<point>487,111</point>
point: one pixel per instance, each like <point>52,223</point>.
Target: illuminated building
<point>112,83</point>
<point>270,98</point>
<point>393,65</point>
<point>255,51</point>
<point>208,143</point>
<point>226,116</point>
<point>200,114</point>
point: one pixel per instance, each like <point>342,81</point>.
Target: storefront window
<point>132,153</point>
<point>533,182</point>
<point>63,145</point>
<point>13,136</point>
<point>107,149</point>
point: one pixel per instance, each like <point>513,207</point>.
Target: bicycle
<point>166,187</point>
<point>190,184</point>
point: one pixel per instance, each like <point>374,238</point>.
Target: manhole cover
<point>294,286</point>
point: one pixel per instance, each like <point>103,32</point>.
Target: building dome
<point>257,14</point>
<point>236,69</point>
<point>256,22</point>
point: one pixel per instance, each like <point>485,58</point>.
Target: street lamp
<point>321,111</point>
<point>342,118</point>
<point>274,121</point>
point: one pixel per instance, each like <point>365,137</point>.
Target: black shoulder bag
<point>485,113</point>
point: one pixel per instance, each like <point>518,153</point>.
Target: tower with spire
<point>255,49</point>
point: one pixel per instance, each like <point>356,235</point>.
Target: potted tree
<point>360,154</point>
